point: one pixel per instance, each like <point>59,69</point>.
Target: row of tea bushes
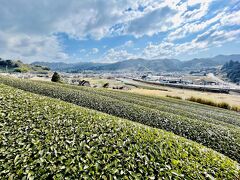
<point>223,139</point>
<point>44,138</point>
<point>190,110</point>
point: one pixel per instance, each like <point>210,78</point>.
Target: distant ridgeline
<point>154,65</point>
<point>232,69</point>
<point>19,66</point>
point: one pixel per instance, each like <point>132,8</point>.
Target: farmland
<point>213,127</point>
<point>47,138</point>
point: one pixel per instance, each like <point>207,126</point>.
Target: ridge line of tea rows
<point>220,138</point>
<point>159,106</point>
<point>162,105</point>
<point>45,138</point>
<point>153,105</point>
<point>154,98</point>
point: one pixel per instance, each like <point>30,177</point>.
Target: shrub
<point>106,85</point>
<point>56,77</point>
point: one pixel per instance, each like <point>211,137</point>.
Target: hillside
<point>217,129</point>
<point>156,65</point>
<point>44,138</point>
<point>19,66</point>
<point>232,71</point>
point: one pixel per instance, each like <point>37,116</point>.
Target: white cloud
<point>162,50</point>
<point>194,27</point>
<point>128,44</point>
<point>151,23</point>
<point>169,50</point>
<point>113,55</point>
<point>87,18</point>
<point>202,42</point>
<point>28,27</point>
<point>197,13</point>
<point>31,48</point>
<point>231,19</point>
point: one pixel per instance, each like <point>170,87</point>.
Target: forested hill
<point>232,70</point>
<point>19,66</point>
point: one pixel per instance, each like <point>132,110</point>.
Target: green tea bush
<point>219,137</point>
<point>174,106</point>
<point>44,138</point>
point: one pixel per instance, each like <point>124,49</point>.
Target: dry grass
<point>101,82</point>
<point>231,99</point>
<point>223,105</point>
<point>175,97</point>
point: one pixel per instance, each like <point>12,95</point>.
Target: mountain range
<point>155,65</point>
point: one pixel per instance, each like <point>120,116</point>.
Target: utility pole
<point>6,69</point>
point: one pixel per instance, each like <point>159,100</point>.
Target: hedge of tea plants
<point>222,138</point>
<point>44,138</point>
<point>186,109</point>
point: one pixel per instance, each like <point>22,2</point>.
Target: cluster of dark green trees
<point>232,68</point>
<point>9,63</point>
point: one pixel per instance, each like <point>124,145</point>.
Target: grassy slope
<point>43,138</point>
<point>225,139</point>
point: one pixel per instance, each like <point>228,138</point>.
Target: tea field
<point>45,138</point>
<point>210,126</point>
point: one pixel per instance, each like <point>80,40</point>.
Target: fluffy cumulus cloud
<point>113,55</point>
<point>31,47</point>
<point>29,29</point>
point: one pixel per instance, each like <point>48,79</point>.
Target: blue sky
<point>115,30</point>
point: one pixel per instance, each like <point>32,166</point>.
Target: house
<point>84,83</point>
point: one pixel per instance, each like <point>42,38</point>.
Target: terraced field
<point>213,127</point>
<point>44,138</point>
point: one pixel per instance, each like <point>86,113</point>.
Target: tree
<point>56,77</point>
<point>232,69</point>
